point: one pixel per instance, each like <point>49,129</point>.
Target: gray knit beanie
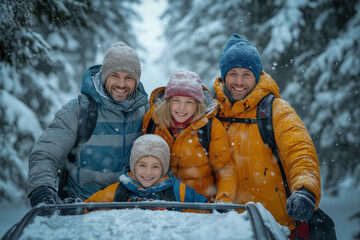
<point>121,57</point>
<point>150,145</point>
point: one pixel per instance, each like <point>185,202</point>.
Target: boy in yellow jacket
<point>147,177</point>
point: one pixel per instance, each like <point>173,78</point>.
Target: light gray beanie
<point>150,145</point>
<point>121,57</point>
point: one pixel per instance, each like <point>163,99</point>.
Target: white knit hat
<point>150,145</point>
<point>121,58</point>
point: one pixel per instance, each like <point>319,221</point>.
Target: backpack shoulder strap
<point>87,117</point>
<point>122,194</point>
<point>151,126</point>
<point>168,194</point>
<point>179,191</point>
<point>204,134</point>
<point>237,120</point>
<point>182,189</point>
<point>264,117</point>
<point>88,113</point>
<point>265,124</point>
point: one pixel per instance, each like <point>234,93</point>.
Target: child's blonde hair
<point>162,111</point>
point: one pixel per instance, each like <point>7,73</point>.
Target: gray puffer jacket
<point>99,161</point>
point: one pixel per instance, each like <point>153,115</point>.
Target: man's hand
<point>301,205</point>
<point>45,195</point>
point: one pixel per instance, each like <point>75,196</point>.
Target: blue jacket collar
<point>91,85</point>
<point>135,186</point>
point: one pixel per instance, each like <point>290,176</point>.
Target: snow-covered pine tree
<point>197,31</point>
<point>45,47</point>
<point>326,87</point>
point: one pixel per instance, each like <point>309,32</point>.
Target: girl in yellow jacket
<point>179,111</point>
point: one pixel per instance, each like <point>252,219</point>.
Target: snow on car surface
<point>148,224</point>
<point>141,224</point>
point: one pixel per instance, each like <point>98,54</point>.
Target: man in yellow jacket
<point>241,86</point>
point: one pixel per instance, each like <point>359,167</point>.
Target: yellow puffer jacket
<point>259,176</point>
<point>211,175</point>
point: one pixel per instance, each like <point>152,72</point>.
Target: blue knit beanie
<point>240,53</point>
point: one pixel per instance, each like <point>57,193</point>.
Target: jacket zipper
<point>78,151</point>
<point>124,136</point>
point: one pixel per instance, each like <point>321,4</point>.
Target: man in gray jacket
<point>121,102</point>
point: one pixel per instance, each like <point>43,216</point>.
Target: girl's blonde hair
<point>162,111</point>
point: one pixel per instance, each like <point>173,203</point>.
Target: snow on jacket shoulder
<point>212,175</point>
<point>259,176</point>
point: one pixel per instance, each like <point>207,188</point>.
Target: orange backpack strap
<point>182,192</point>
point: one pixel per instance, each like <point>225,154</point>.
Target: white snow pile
<point>147,224</point>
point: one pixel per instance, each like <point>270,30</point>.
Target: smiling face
<point>182,108</point>
<point>120,85</point>
<point>148,170</point>
<point>240,82</point>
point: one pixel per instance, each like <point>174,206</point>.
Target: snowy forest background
<point>310,48</point>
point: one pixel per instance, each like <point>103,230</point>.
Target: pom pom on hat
<point>186,84</point>
<point>150,145</point>
<point>121,58</point>
<point>240,53</point>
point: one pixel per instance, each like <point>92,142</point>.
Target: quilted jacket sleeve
<point>51,149</point>
<point>296,149</point>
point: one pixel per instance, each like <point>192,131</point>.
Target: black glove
<point>45,195</point>
<point>301,205</point>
